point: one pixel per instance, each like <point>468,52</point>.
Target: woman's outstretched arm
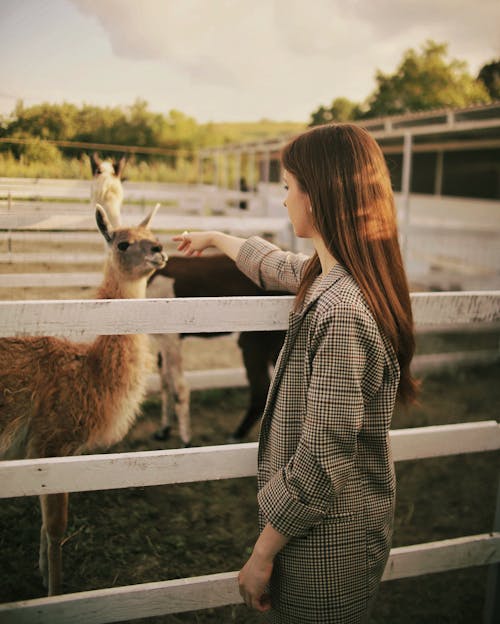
<point>194,243</point>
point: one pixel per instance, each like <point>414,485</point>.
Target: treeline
<point>424,79</point>
<point>134,125</point>
<point>28,133</point>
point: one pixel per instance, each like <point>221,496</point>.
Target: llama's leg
<point>182,395</point>
<point>54,522</point>
<point>160,287</point>
<point>43,563</point>
<point>177,386</point>
<point>163,432</point>
<point>175,393</point>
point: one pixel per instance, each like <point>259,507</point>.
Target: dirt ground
<point>149,534</point>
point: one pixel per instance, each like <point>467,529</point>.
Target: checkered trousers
<point>325,471</point>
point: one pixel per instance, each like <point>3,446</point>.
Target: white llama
<point>107,187</point>
<point>60,398</point>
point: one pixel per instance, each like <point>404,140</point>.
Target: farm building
<point>454,152</point>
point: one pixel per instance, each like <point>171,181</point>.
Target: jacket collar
<point>323,284</point>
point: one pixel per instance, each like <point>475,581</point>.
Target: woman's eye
<point>285,186</point>
<point>123,246</point>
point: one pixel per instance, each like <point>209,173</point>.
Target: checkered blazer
<point>325,472</point>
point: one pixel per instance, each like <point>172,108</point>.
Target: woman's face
<point>299,207</point>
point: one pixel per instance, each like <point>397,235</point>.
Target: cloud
<point>457,17</point>
<point>219,41</point>
<point>283,55</point>
<point>208,40</point>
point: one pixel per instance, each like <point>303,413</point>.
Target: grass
<point>185,171</point>
<point>142,535</point>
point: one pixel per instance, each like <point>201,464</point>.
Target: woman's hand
<point>193,243</point>
<point>255,574</point>
<point>252,581</point>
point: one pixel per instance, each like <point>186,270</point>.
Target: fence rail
<point>83,473</point>
<point>431,311</point>
<point>61,189</point>
<point>30,477</point>
<point>130,602</point>
<point>163,223</point>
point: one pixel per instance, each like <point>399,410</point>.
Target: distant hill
<point>247,131</point>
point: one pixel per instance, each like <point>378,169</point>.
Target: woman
<point>326,483</point>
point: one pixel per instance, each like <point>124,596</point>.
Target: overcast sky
<point>226,60</point>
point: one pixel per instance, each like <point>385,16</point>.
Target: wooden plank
<point>432,310</point>
<point>28,477</point>
<point>216,590</point>
<point>243,224</point>
<point>127,603</point>
<point>451,554</point>
<point>77,257</point>
<point>206,314</point>
<point>52,237</point>
<point>49,280</point>
<point>135,191</point>
<point>149,316</point>
<point>443,440</point>
<point>205,379</point>
<point>107,471</point>
<point>432,362</point>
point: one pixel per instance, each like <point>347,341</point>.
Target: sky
<point>226,60</point>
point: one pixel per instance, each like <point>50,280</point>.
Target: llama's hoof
<point>233,440</point>
<point>188,444</point>
<point>162,434</point>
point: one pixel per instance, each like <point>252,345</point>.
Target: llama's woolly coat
<point>325,472</point>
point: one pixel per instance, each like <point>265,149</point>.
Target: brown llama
<point>210,276</point>
<point>60,398</point>
<point>107,189</point>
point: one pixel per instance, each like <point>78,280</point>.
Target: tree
<point>489,75</point>
<point>426,80</point>
<point>46,121</point>
<point>341,109</point>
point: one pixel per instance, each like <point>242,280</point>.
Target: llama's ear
<point>145,223</point>
<point>103,223</point>
<point>95,162</point>
<point>120,167</point>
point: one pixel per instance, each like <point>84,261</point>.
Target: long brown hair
<point>343,171</point>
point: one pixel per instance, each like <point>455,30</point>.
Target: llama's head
<point>108,166</point>
<point>135,252</point>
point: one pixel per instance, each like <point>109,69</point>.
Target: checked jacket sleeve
<point>269,267</point>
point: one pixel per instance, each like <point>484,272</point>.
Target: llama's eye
<point>123,246</point>
<point>157,249</point>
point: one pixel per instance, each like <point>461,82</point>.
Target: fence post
<point>492,600</point>
<point>405,192</point>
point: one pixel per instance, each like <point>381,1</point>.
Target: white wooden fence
<point>109,471</point>
<point>198,198</point>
